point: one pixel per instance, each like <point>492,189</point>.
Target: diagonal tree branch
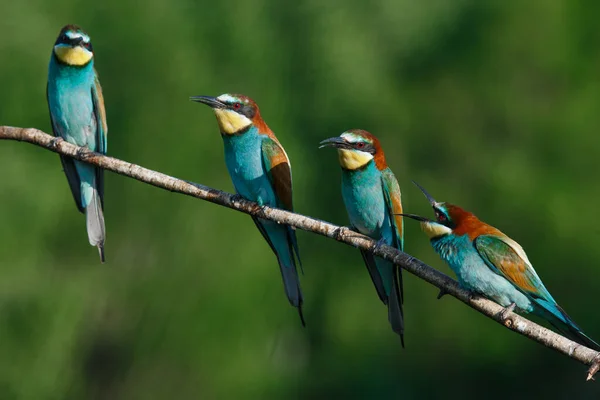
<point>446,284</point>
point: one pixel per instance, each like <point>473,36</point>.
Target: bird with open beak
<point>488,262</point>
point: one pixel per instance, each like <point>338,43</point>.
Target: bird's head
<point>73,46</point>
<point>449,219</point>
<point>356,148</point>
<point>235,113</point>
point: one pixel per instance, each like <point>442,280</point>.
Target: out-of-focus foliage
<point>490,105</point>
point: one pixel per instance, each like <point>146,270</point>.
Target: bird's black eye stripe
<point>62,39</point>
<point>249,111</point>
<point>366,147</point>
<point>242,108</point>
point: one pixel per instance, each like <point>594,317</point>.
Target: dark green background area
<point>490,105</point>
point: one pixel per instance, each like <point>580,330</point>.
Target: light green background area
<point>490,105</point>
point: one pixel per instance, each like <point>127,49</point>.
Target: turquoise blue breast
<point>70,102</point>
<point>243,157</point>
<point>362,191</point>
<point>455,250</point>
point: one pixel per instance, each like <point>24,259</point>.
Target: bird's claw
<point>258,209</point>
<point>343,232</point>
<point>472,295</point>
<point>338,234</point>
<point>83,153</point>
<point>381,242</point>
<point>236,198</point>
<point>504,314</point>
<point>55,141</point>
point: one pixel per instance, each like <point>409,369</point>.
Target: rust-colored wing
<point>278,169</point>
<point>394,205</point>
<point>506,258</point>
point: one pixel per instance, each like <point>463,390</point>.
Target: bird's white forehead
<point>77,35</point>
<point>226,98</point>
<point>351,137</point>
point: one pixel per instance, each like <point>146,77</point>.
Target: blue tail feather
<point>554,314</point>
<point>277,236</point>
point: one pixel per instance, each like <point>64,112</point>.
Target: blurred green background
<point>492,105</point>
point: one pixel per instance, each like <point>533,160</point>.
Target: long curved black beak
<point>415,217</point>
<point>212,102</point>
<point>337,142</point>
<point>429,197</point>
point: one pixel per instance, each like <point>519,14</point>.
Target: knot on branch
<point>593,368</point>
<point>404,258</point>
<point>442,293</point>
<point>505,316</point>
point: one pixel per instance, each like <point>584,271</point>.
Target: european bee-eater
<point>78,116</point>
<point>261,172</point>
<point>372,197</point>
<point>488,262</point>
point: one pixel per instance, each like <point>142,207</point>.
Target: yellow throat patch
<point>352,160</point>
<point>433,230</point>
<point>231,122</point>
<point>76,56</point>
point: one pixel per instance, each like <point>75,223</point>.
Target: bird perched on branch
<point>78,116</point>
<point>372,197</point>
<point>261,172</point>
<point>488,262</point>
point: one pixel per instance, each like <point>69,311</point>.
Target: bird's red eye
<point>237,106</point>
<point>360,145</point>
<point>441,217</point>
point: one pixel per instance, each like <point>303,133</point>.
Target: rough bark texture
<point>446,284</point>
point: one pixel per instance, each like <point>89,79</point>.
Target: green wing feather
<point>278,170</point>
<point>503,259</point>
<point>393,200</point>
<point>101,132</point>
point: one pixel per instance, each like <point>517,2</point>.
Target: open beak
<point>212,102</point>
<point>337,142</point>
<point>431,201</point>
<point>429,197</point>
<point>415,217</point>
